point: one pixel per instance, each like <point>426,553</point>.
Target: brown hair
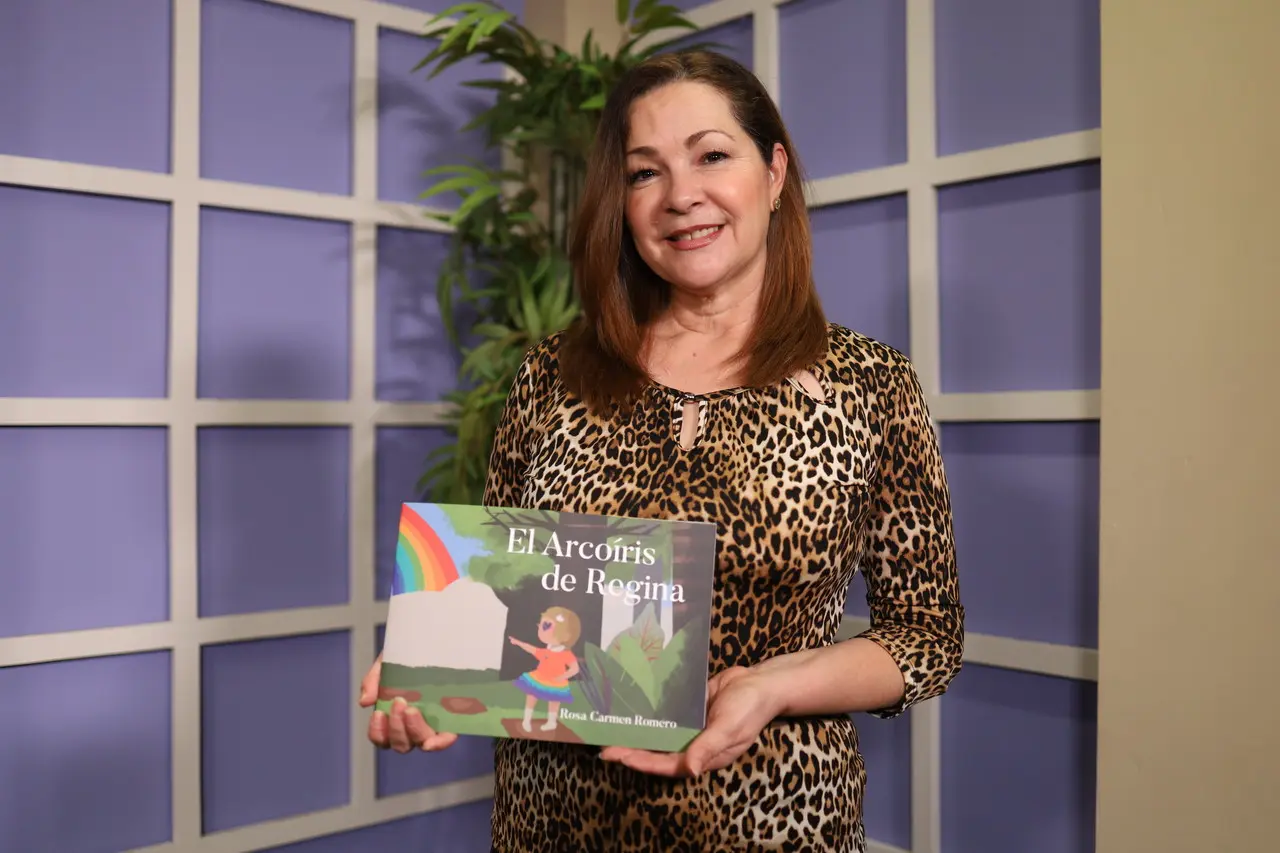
<point>620,294</point>
<point>565,625</point>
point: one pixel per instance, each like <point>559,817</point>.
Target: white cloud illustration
<point>427,628</point>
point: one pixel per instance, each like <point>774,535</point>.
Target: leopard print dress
<point>805,491</point>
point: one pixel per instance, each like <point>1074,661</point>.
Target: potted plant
<point>507,281</point>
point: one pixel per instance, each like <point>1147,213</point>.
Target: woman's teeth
<point>694,235</point>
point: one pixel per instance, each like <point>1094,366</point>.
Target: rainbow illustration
<point>423,563</point>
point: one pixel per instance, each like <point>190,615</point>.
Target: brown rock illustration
<point>387,694</point>
<point>462,705</point>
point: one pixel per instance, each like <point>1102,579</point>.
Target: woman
<point>703,382</point>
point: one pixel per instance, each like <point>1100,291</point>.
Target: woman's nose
<point>684,191</point>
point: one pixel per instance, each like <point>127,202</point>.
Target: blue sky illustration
<point>462,548</point>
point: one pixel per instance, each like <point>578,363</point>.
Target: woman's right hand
<point>404,728</point>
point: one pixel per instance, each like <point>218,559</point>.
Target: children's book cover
<point>557,626</point>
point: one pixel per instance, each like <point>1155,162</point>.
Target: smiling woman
<point>692,185</point>
<point>702,357</point>
<point>711,188</point>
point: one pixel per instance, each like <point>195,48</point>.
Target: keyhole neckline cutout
<point>688,422</point>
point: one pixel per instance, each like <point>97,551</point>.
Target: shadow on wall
<point>435,120</point>
<point>273,499</point>
<point>416,360</point>
<point>262,366</point>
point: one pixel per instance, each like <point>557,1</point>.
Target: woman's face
<point>699,195</point>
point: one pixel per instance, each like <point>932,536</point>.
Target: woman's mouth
<point>695,238</point>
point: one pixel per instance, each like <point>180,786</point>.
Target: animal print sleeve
<point>910,565</point>
<point>509,457</point>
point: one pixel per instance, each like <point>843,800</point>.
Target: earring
<point>777,203</point>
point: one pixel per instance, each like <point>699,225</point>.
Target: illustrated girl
<point>558,629</point>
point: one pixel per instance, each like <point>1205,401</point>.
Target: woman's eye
<point>715,156</point>
<point>640,175</point>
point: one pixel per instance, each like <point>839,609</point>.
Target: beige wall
<point>1189,722</point>
<point>566,21</point>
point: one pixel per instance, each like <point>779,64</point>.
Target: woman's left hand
<point>740,703</point>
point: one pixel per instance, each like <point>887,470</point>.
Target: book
<point>568,627</point>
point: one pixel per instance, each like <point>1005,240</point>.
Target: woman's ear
<point>778,167</point>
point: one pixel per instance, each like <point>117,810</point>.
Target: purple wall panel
<point>1020,267</point>
<point>85,760</point>
<point>275,299</point>
<point>273,509</point>
<point>1014,70</point>
<point>734,38</point>
<point>856,603</point>
<point>1026,518</point>
<point>275,96</point>
<point>401,459</point>
<point>860,266</point>
<point>1018,763</point>
<point>460,829</point>
<point>844,83</point>
<point>468,758</point>
<point>84,295</point>
<point>420,120</point>
<point>113,480</point>
<point>886,750</point>
<point>415,359</point>
<point>86,81</point>
<point>258,766</point>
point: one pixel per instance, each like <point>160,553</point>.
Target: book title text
<point>523,540</point>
